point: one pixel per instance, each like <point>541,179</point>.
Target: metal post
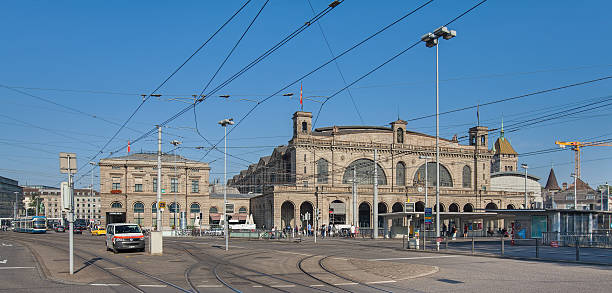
<point>71,218</point>
<point>355,211</point>
<point>316,215</point>
<point>502,245</point>
<point>472,245</point>
<point>159,178</point>
<point>577,249</point>
<point>426,202</point>
<point>437,154</point>
<point>537,248</point>
<point>225,189</point>
<point>575,192</point>
<point>525,166</point>
<point>15,207</point>
<point>375,199</point>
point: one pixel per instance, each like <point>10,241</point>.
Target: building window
<point>116,205</point>
<point>213,210</point>
<point>400,174</point>
<point>194,208</point>
<point>242,210</point>
<point>467,176</point>
<point>304,157</point>
<point>138,211</point>
<point>322,171</point>
<point>116,167</point>
<point>195,186</point>
<point>154,184</point>
<point>364,169</point>
<point>304,127</point>
<point>116,183</point>
<point>304,169</point>
<point>445,178</point>
<point>137,187</point>
<point>400,135</point>
<point>174,185</point>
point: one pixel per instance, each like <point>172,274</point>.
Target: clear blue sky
<point>98,57</point>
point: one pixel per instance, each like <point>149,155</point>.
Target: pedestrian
<point>352,231</point>
<point>309,230</point>
<point>454,231</point>
<point>443,229</point>
<point>465,230</point>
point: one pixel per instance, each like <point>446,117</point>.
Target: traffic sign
<point>428,217</point>
<point>163,190</point>
<point>162,204</point>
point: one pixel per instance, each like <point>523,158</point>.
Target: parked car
<point>60,229</point>
<point>124,236</point>
<point>78,230</point>
<point>98,231</point>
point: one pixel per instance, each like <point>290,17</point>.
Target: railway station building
<point>317,168</point>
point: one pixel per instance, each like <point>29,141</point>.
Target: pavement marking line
<point>381,282</point>
<point>108,285</point>
<point>317,285</point>
<point>15,268</point>
<point>153,286</point>
<point>257,286</point>
<point>340,258</point>
<point>289,252</point>
<point>209,286</point>
<point>416,257</point>
<point>345,284</point>
<point>282,286</point>
<point>114,268</point>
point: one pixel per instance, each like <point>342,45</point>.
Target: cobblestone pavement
<point>331,265</point>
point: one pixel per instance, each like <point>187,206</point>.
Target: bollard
<point>502,245</point>
<point>472,245</point>
<point>577,250</point>
<point>537,248</point>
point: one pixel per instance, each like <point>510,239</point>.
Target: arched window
<point>194,208</point>
<point>138,207</point>
<point>322,171</point>
<point>116,205</point>
<point>213,210</point>
<point>467,176</point>
<point>242,210</point>
<point>400,174</point>
<point>154,208</point>
<point>445,177</point>
<point>468,207</point>
<point>400,135</point>
<point>365,172</point>
<point>174,207</point>
<point>453,208</point>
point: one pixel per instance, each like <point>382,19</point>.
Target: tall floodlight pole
<point>224,123</point>
<point>355,211</point>
<point>15,207</point>
<point>159,179</point>
<point>431,40</point>
<point>575,191</point>
<point>68,165</point>
<point>375,199</point>
<point>608,196</point>
<point>93,164</point>
<point>524,166</point>
<point>175,143</point>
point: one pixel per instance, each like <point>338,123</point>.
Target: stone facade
<point>323,159</point>
<point>128,188</point>
<point>86,203</point>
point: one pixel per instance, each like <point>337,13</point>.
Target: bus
<point>34,224</point>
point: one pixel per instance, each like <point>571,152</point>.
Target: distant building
<point>86,203</point>
<point>563,198</point>
<point>128,188</point>
<point>8,188</point>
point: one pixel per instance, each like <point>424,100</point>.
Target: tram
<point>34,224</point>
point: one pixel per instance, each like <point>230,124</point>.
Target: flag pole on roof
<point>301,103</point>
<point>128,149</point>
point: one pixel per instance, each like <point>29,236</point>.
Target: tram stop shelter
<point>525,223</point>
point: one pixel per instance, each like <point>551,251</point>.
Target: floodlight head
<point>450,35</point>
<point>428,37</point>
<point>288,95</point>
<point>224,96</point>
<point>431,43</point>
<point>441,31</point>
<point>175,142</point>
<point>524,166</point>
<point>226,122</point>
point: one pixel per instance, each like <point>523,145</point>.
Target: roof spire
<point>501,133</point>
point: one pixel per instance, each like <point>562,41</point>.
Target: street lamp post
<point>175,143</point>
<point>225,123</point>
<point>431,40</point>
<point>575,189</point>
<point>524,166</point>
<point>15,207</point>
<point>93,166</point>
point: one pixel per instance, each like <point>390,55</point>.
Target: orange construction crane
<point>575,146</point>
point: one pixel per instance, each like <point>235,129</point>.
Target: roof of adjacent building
<point>580,185</point>
<point>514,174</point>
<point>551,183</point>
<point>502,146</point>
<point>167,158</point>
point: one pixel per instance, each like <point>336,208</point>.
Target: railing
<point>599,240</point>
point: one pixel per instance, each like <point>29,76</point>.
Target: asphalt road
<point>332,265</point>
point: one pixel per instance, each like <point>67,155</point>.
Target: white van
<point>124,236</point>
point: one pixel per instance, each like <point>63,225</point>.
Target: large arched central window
<point>400,174</point>
<point>467,176</point>
<point>364,169</point>
<point>322,171</point>
<point>445,177</point>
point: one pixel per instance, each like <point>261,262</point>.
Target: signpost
<point>428,216</point>
<point>68,165</point>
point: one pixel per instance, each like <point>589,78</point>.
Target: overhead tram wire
<point>323,65</point>
<point>195,116</point>
<point>145,99</point>
<point>331,52</point>
<point>392,58</point>
<point>247,67</point>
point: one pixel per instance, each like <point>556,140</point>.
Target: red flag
<point>128,147</point>
<point>300,93</point>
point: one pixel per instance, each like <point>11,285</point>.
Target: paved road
<point>336,265</point>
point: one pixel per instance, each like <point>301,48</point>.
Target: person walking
<point>352,231</point>
<point>454,232</point>
<point>465,230</point>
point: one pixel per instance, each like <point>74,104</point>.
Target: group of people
<point>323,231</point>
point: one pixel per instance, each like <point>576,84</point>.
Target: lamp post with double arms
<point>431,40</point>
<point>225,123</point>
<point>524,166</point>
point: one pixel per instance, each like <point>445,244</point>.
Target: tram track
<point>348,279</point>
<point>110,261</point>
